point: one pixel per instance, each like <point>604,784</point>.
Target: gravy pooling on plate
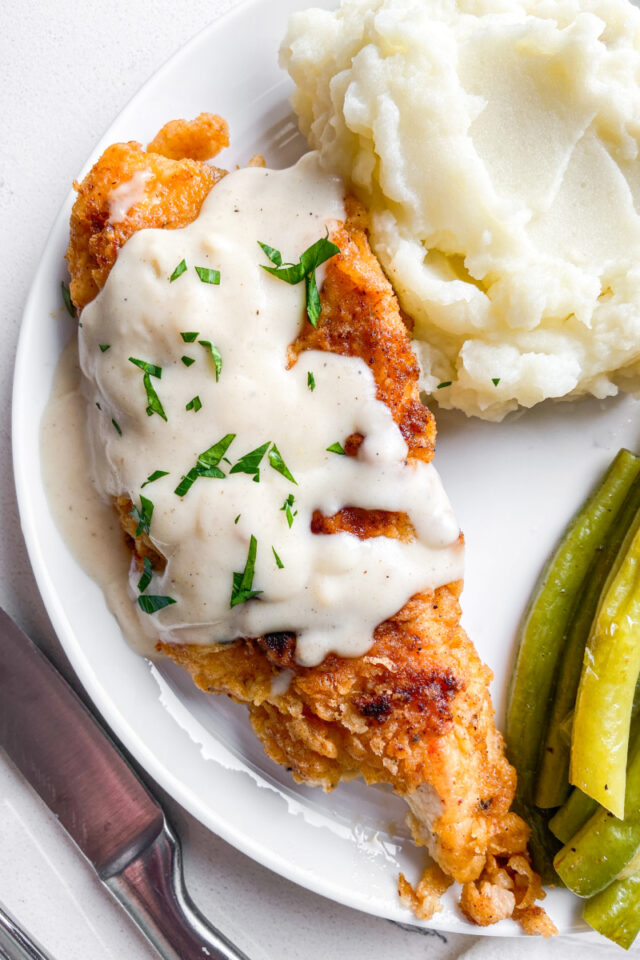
<point>185,354</point>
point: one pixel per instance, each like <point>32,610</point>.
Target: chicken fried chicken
<point>414,711</point>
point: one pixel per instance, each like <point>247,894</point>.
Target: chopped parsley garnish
<point>207,275</point>
<point>68,302</point>
<point>98,405</point>
<point>147,574</point>
<point>189,336</point>
<point>336,448</point>
<point>278,560</point>
<point>155,476</point>
<point>215,353</point>
<point>153,400</point>
<point>311,381</point>
<point>278,464</point>
<point>445,383</point>
<point>179,270</point>
<point>314,307</point>
<point>286,506</point>
<point>195,404</point>
<point>274,255</point>
<point>142,515</point>
<point>250,463</point>
<point>242,582</point>
<point>237,518</point>
<point>151,604</point>
<point>207,465</point>
<point>495,381</point>
<point>188,361</point>
<point>116,425</point>
<point>104,347</point>
<point>320,251</point>
<point>147,367</point>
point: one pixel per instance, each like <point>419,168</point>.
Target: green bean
<point>602,849</point>
<point>553,787</point>
<point>602,717</point>
<point>566,821</point>
<point>541,642</point>
<point>615,912</point>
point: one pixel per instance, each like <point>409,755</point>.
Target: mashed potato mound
<point>496,144</point>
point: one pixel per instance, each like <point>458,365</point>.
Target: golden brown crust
<point>361,318</point>
<point>414,711</point>
<point>199,139</point>
<point>172,197</point>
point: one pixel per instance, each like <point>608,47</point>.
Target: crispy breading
<point>424,901</point>
<point>199,139</point>
<point>415,710</point>
<point>171,197</point>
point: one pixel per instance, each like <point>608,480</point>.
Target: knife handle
<point>151,888</point>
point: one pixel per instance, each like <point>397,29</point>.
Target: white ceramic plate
<point>513,486</point>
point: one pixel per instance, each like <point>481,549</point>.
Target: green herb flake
<point>207,465</point>
<point>151,604</point>
<point>274,255</point>
<point>147,574</point>
<point>336,448</point>
<point>286,506</point>
<point>98,405</point>
<point>116,425</point>
<point>311,381</point>
<point>237,518</point>
<point>495,381</point>
<point>68,302</point>
<point>250,462</point>
<point>155,476</point>
<point>153,400</point>
<point>207,275</point>
<point>215,354</point>
<point>279,562</point>
<point>195,404</point>
<point>146,367</point>
<point>278,464</point>
<point>320,251</point>
<point>445,383</point>
<point>189,336</point>
<point>179,270</point>
<point>243,582</point>
<point>104,347</point>
<point>187,361</point>
<point>142,515</point>
<point>314,307</point>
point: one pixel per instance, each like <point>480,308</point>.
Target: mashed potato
<point>496,144</point>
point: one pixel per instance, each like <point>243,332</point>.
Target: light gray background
<point>66,70</point>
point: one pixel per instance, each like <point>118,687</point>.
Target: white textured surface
<point>65,71</point>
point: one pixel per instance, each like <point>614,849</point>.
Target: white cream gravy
<point>126,195</point>
<point>87,520</point>
<point>332,590</point>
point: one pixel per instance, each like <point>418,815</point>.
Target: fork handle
<point>15,942</point>
<point>151,889</point>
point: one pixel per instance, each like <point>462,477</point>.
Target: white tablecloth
<point>66,70</point>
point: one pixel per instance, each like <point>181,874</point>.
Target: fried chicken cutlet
<point>415,710</point>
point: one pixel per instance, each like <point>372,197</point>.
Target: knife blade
<point>85,781</point>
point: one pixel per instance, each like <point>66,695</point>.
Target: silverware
<point>81,776</point>
<point>16,943</point>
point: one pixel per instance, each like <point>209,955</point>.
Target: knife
<point>86,782</point>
